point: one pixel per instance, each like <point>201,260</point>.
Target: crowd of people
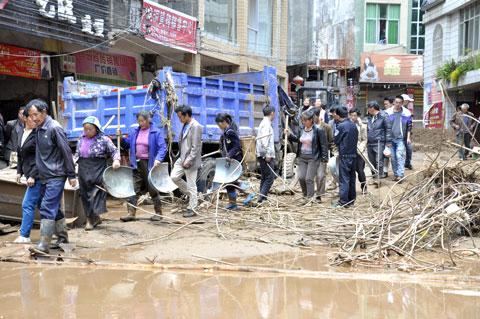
<point>334,142</point>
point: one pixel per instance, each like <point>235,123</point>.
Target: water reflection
<point>32,292</point>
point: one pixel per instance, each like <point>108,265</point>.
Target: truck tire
<point>290,164</point>
<point>205,176</point>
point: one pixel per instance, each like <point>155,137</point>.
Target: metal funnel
<point>227,171</point>
<point>160,179</point>
<point>119,182</point>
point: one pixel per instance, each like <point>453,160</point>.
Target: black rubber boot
<point>47,228</point>
<point>61,232</point>
<point>157,206</point>
<point>131,213</point>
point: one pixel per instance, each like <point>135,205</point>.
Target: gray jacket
<point>190,144</point>
<point>54,157</point>
<point>379,129</point>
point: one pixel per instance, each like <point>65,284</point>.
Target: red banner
<point>169,27</point>
<point>391,68</point>
<point>26,63</point>
<point>106,68</point>
<point>434,116</point>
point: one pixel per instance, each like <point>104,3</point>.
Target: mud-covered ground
<point>120,279</point>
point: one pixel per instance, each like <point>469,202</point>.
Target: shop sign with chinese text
<point>391,68</point>
<point>106,68</point>
<point>434,116</point>
<point>168,27</point>
<point>26,63</point>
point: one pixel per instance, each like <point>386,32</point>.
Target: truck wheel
<point>290,164</point>
<point>205,175</point>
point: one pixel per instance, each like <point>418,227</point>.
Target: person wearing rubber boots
<point>231,149</point>
<point>265,151</point>
<point>190,144</point>
<point>93,151</point>
<point>346,139</point>
<point>147,148</point>
<point>55,165</point>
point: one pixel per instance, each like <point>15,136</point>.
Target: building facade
<point>123,42</point>
<point>345,33</point>
<point>452,37</point>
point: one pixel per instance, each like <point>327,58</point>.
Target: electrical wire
<point>64,54</point>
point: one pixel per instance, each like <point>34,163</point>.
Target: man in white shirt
<point>265,150</point>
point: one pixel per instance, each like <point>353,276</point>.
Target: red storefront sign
<point>106,68</point>
<point>434,116</point>
<point>25,63</point>
<point>168,27</point>
<point>391,68</point>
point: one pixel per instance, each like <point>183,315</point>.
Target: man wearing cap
<point>464,126</point>
<point>407,101</point>
<point>93,151</point>
<point>55,165</point>
<point>346,139</point>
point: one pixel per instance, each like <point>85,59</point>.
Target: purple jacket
<point>102,147</point>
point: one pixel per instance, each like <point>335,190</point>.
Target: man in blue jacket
<point>346,139</point>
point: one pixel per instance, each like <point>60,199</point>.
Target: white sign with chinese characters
<point>64,12</point>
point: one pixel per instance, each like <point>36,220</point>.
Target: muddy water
<point>54,292</point>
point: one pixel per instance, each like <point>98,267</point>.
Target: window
<point>221,19</point>
<point>382,23</point>
<point>260,27</point>
<point>437,47</point>
<point>470,29</point>
<point>417,31</point>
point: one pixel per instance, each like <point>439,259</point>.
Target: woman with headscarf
<point>147,148</point>
<point>231,149</point>
<point>93,151</point>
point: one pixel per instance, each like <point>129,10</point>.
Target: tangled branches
<point>426,212</point>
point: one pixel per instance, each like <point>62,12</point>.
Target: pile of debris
<point>428,211</point>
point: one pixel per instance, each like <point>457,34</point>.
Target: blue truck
<point>243,95</point>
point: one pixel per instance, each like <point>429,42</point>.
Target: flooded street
<point>29,291</point>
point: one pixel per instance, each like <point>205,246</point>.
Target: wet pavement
<point>29,291</point>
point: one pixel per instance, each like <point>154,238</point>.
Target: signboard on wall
<point>168,27</point>
<point>106,68</point>
<point>434,116</point>
<point>391,68</point>
<point>26,63</point>
<point>74,21</point>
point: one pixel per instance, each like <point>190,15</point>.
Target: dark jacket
<point>230,144</point>
<point>379,130</point>
<point>406,121</point>
<point>53,157</point>
<point>26,156</point>
<point>13,130</point>
<point>319,143</point>
<point>461,126</point>
<point>157,148</point>
<point>2,136</point>
<point>346,138</point>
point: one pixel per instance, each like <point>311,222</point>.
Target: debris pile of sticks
<point>443,203</point>
<point>425,213</point>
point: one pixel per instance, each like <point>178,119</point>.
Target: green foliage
<point>451,71</point>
